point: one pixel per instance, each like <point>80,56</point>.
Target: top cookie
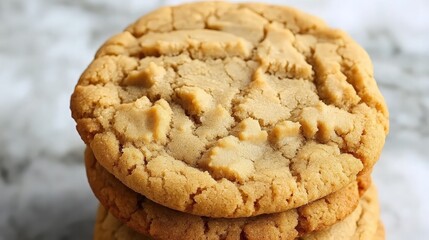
<point>231,110</point>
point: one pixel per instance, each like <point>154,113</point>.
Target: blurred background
<point>46,44</point>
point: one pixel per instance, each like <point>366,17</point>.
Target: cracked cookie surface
<point>231,110</point>
<point>362,224</point>
<point>152,219</point>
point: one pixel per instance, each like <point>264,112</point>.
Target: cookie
<point>152,219</point>
<point>231,110</point>
<point>108,227</point>
<point>362,224</point>
<point>366,226</point>
<point>381,232</point>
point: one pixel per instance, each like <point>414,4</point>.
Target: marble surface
<point>45,45</point>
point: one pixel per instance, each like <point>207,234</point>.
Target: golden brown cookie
<point>152,219</point>
<point>231,110</point>
<point>366,226</point>
<point>364,223</point>
<point>109,228</point>
<point>380,234</point>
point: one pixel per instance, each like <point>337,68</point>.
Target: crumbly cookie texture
<point>108,227</point>
<point>152,219</point>
<point>231,110</point>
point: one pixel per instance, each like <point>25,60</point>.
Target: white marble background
<point>45,45</point>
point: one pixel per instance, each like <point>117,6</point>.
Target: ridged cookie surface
<point>230,110</point>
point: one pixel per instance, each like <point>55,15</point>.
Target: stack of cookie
<point>216,120</point>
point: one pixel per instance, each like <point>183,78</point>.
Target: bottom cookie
<point>152,219</point>
<point>107,227</point>
<point>362,224</point>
